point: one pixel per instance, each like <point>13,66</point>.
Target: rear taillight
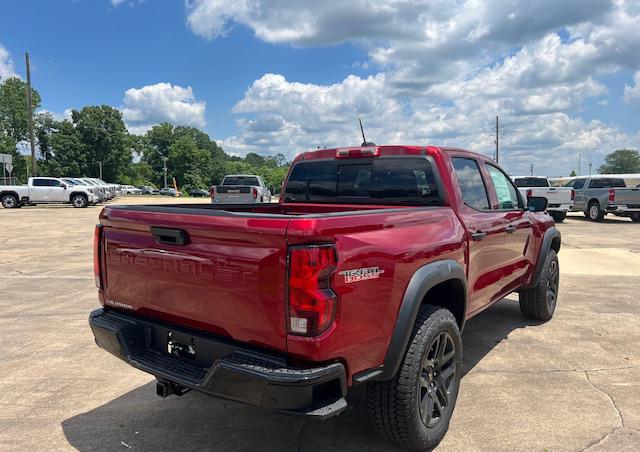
<point>97,255</point>
<point>612,195</point>
<point>254,193</point>
<point>529,193</point>
<point>312,303</point>
<point>573,194</point>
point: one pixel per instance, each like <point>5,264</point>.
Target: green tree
<point>13,108</point>
<point>621,161</point>
<point>573,173</point>
<point>44,126</point>
<point>103,138</point>
<point>67,151</point>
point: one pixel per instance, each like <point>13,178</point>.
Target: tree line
<point>97,135</point>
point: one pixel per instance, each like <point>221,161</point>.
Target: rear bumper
<point>220,367</point>
<point>623,208</point>
<point>560,207</point>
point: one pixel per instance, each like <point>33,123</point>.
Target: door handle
<point>478,235</point>
<point>168,236</point>
<point>510,229</point>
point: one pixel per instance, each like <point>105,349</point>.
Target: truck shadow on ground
<point>140,420</point>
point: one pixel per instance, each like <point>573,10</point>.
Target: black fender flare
<point>550,235</point>
<point>424,279</point>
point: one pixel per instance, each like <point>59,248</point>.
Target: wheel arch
<point>75,193</point>
<point>552,240</point>
<point>427,285</point>
<point>9,192</point>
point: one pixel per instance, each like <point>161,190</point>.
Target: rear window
<point>531,182</point>
<point>607,183</point>
<point>240,180</point>
<point>395,180</point>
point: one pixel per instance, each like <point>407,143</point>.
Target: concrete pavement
<point>570,384</point>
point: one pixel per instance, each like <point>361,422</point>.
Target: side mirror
<point>537,204</point>
<point>64,187</point>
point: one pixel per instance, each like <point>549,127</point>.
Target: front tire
<point>414,408</point>
<point>539,302</point>
<point>594,212</point>
<point>79,201</point>
<point>10,202</point>
<point>635,217</point>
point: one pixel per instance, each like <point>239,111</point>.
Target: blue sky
<point>296,74</point>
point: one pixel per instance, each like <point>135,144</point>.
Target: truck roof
<point>383,150</point>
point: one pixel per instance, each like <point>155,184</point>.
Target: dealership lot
<point>570,384</point>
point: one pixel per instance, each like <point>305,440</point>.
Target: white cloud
<point>632,93</point>
<point>162,102</point>
<point>117,2</point>
<point>7,67</point>
<point>446,69</point>
<point>288,117</point>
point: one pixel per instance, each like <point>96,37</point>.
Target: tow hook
<point>166,388</point>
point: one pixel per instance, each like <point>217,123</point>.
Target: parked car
<point>169,192</point>
<point>240,188</point>
<point>560,199</point>
<point>199,193</point>
<point>77,182</point>
<point>46,190</point>
<point>98,187</point>
<point>131,190</point>
<point>596,196</point>
<point>364,272</point>
<point>149,190</point>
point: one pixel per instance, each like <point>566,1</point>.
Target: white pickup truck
<point>240,189</point>
<point>559,199</point>
<point>46,190</point>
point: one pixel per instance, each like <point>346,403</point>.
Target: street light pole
<point>100,165</point>
<point>590,168</point>
<point>164,160</point>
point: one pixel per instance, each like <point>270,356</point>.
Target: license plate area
<point>181,345</point>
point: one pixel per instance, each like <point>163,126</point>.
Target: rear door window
<point>474,192</point>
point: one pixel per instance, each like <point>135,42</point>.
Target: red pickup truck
<point>364,272</point>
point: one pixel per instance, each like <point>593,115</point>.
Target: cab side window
<point>474,193</point>
<point>506,192</point>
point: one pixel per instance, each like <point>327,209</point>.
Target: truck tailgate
<point>233,194</point>
<point>628,196</point>
<point>227,278</point>
<point>557,195</point>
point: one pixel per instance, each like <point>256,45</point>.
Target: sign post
<point>6,163</point>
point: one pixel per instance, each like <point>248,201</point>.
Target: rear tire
<point>594,212</point>
<point>539,302</point>
<point>10,202</point>
<point>635,217</point>
<point>79,201</point>
<point>558,217</point>
<point>414,408</point>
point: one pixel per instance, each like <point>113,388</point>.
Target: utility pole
<point>531,169</point>
<point>579,163</point>
<point>590,168</point>
<point>164,160</point>
<point>100,165</point>
<point>34,169</point>
<point>497,139</point>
